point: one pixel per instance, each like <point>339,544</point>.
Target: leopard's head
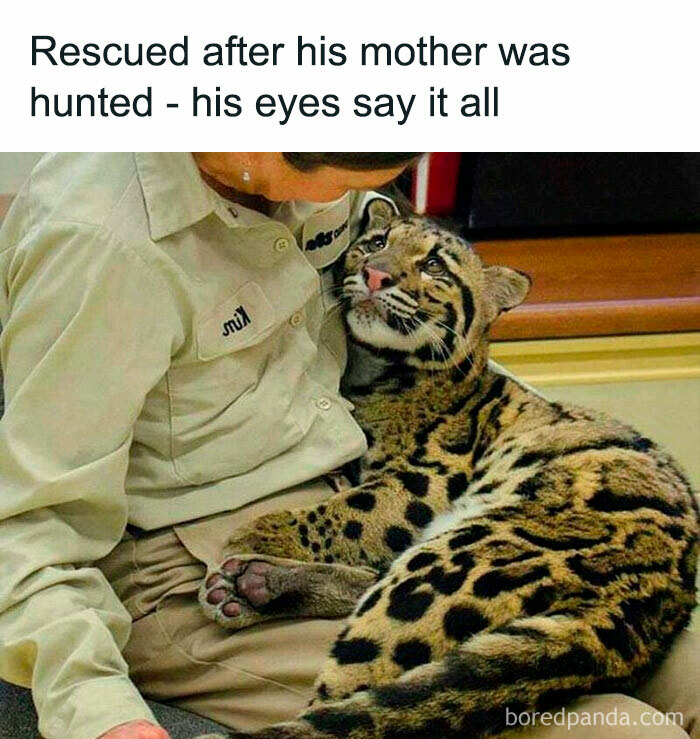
<point>419,293</point>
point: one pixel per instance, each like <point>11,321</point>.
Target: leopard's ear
<point>505,289</point>
<point>378,213</point>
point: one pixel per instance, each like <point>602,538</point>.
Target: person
<point>172,351</point>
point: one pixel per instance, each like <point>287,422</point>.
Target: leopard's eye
<point>376,243</point>
<point>434,266</point>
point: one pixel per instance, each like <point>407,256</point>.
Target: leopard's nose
<point>376,279</point>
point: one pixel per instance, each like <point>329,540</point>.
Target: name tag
<point>242,320</point>
<point>326,234</point>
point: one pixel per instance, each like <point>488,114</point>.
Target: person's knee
<point>674,688</point>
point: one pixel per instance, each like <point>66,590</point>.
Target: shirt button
<point>324,404</point>
<point>296,319</point>
<point>281,244</point>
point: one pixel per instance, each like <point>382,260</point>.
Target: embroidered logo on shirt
<point>239,321</point>
<point>325,234</point>
<point>326,238</point>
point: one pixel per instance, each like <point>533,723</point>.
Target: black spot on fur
<point>469,536</point>
<point>353,530</point>
<point>607,501</point>
<point>303,530</point>
<point>530,488</point>
<point>415,482</point>
<point>362,501</point>
<point>421,560</point>
<point>463,369</point>
<point>461,622</point>
<point>561,543</point>
<point>456,485</point>
<point>539,601</point>
<point>522,557</point>
<point>409,654</point>
<point>464,560</point>
<point>637,444</point>
<point>397,538</point>
<point>467,445</point>
<point>408,607</point>
<point>446,582</point>
<point>355,651</point>
<point>419,514</point>
<point>459,448</point>
<point>641,444</point>
<point>642,613</point>
<point>336,722</point>
<point>676,531</point>
<point>370,602</point>
<point>311,517</point>
<point>490,584</point>
<point>687,567</point>
<point>619,637</point>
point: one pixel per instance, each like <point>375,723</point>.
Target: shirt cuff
<point>93,708</point>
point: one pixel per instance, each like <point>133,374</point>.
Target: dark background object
<point>523,195</point>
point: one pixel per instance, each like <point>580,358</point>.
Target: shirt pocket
<point>222,423</point>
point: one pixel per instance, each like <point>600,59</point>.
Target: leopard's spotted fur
<point>527,552</point>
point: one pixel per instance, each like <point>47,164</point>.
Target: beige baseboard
<point>602,359</point>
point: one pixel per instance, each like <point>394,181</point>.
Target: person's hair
<point>306,161</point>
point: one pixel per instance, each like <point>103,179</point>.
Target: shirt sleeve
<point>88,329</point>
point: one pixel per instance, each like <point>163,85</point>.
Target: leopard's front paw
<point>240,592</point>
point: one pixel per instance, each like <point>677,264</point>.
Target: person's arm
<point>88,329</point>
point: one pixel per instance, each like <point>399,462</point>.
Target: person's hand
<point>136,730</point>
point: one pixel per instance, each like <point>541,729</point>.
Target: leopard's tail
<point>479,689</point>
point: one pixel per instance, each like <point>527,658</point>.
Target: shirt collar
<point>176,197</point>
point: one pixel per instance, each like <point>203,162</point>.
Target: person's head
<point>314,176</point>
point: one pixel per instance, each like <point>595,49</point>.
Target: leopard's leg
<point>368,525</point>
<point>363,527</point>
<point>250,588</point>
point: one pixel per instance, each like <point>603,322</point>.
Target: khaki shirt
<point>167,355</point>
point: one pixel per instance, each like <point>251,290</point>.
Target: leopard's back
<point>528,508</point>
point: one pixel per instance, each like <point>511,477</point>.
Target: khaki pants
<point>265,673</point>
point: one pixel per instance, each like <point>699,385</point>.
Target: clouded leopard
<point>497,550</point>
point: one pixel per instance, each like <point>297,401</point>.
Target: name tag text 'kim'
<point>239,321</point>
